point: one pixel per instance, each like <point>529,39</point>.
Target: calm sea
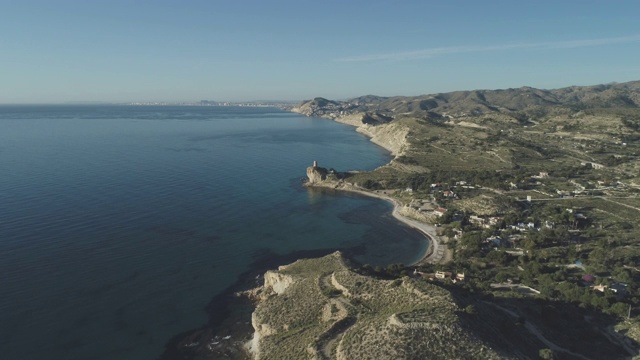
<point>118,224</point>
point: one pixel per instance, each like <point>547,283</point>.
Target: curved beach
<point>393,140</point>
<point>435,252</point>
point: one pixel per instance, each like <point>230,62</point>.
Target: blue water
<point>119,224</point>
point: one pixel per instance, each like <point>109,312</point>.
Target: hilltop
<point>327,308</point>
<point>321,308</point>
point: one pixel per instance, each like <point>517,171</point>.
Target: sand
<point>436,252</point>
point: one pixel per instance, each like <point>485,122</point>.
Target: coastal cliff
<point>375,125</point>
<point>322,309</point>
<point>316,174</point>
<point>392,136</point>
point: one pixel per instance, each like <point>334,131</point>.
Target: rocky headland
<point>316,174</point>
<point>322,309</point>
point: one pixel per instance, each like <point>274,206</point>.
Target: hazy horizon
<point>241,51</point>
<point>259,101</point>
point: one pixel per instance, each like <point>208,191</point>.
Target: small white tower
<point>315,163</point>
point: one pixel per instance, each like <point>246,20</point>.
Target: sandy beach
<point>436,252</point>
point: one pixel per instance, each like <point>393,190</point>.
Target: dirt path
<point>499,157</point>
<point>328,341</point>
<point>619,203</point>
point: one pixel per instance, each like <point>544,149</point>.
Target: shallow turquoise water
<point>119,224</point>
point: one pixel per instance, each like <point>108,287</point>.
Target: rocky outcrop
<point>316,174</point>
<point>276,282</point>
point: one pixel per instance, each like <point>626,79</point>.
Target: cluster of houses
<point>485,222</point>
<point>445,191</point>
<point>437,191</point>
<point>498,241</point>
<point>521,226</point>
<point>618,288</point>
<point>441,275</point>
<point>580,189</point>
<point>439,212</point>
<point>541,175</point>
<point>426,207</point>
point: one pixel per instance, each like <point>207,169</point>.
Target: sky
<point>247,50</point>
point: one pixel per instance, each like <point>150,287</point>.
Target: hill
<point>500,129</point>
<point>482,102</point>
<point>325,309</point>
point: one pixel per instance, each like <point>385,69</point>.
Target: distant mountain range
<point>526,100</point>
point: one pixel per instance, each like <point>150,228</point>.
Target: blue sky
<point>189,50</point>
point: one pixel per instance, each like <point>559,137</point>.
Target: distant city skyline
<point>240,51</point>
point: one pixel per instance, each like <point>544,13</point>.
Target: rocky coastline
<point>382,132</point>
<point>393,138</point>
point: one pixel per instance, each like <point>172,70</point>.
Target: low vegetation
<point>331,309</point>
<point>541,194</point>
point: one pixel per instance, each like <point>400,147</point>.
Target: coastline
<point>436,250</point>
<point>229,327</point>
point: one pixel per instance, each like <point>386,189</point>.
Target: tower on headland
<point>316,174</point>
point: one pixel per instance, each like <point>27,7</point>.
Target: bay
<point>118,224</point>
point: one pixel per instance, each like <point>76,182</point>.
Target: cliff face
<point>392,137</point>
<point>379,127</point>
<point>316,174</point>
<point>277,282</point>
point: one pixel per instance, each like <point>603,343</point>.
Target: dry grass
<point>371,319</point>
